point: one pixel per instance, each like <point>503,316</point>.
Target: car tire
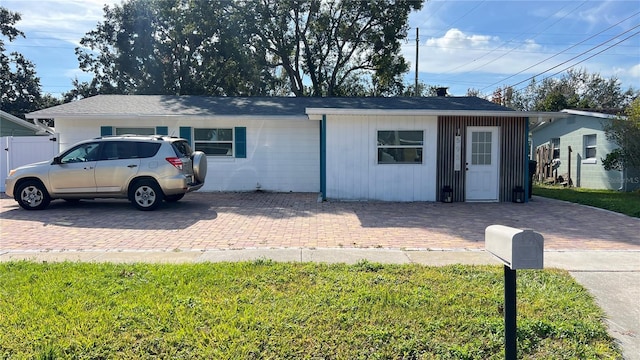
<point>32,195</point>
<point>199,160</point>
<point>173,198</point>
<point>146,195</point>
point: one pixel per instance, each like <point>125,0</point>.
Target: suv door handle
<point>132,166</point>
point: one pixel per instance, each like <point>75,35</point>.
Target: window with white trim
<point>555,145</point>
<point>214,141</point>
<point>590,146</point>
<point>135,131</point>
<point>400,146</point>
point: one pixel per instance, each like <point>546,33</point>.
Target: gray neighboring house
<point>582,133</point>
<point>391,149</point>
<point>14,126</point>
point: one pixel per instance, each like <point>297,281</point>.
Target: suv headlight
<point>13,171</point>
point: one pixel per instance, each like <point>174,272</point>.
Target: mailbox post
<point>516,249</point>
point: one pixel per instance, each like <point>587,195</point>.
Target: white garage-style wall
<point>282,154</point>
<point>352,169</point>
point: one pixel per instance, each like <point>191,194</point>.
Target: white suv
<point>143,169</point>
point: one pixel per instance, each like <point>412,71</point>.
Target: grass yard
<point>627,203</point>
<point>269,310</point>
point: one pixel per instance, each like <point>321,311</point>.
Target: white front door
<point>481,178</point>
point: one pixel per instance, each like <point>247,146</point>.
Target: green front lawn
<point>268,310</point>
<point>627,203</point>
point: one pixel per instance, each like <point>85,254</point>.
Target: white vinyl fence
<point>22,150</point>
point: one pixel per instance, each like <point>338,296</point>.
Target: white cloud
<point>455,39</point>
<point>60,19</point>
<point>460,52</point>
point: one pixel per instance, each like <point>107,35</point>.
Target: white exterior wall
<point>282,155</point>
<point>352,165</point>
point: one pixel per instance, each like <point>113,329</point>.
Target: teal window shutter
<point>241,142</point>
<point>185,133</point>
<point>162,130</point>
<point>106,130</point>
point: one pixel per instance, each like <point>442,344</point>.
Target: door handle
<point>132,166</point>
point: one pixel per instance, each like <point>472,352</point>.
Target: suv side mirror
<point>56,160</point>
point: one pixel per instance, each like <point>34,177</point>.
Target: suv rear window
<point>182,148</point>
<point>113,150</point>
<point>146,150</point>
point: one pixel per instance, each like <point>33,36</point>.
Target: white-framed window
<point>555,146</point>
<point>135,131</point>
<point>400,146</point>
<point>481,147</point>
<point>590,142</point>
<point>214,141</point>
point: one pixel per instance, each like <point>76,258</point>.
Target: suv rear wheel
<point>146,195</point>
<point>32,195</point>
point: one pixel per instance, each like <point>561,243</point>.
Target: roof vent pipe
<point>441,91</point>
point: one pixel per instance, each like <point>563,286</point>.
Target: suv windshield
<point>182,148</point>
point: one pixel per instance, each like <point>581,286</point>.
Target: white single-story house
<point>574,146</point>
<point>392,149</point>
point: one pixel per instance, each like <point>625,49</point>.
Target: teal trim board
<point>241,142</point>
<point>106,130</point>
<point>323,157</point>
<point>185,133</point>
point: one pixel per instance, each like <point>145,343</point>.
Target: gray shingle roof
<point>165,105</point>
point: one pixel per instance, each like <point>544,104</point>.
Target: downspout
<point>44,127</point>
<point>323,158</point>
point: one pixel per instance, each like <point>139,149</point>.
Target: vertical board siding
<point>513,156</point>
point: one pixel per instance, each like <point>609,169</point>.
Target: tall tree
<point>339,46</point>
<point>624,132</point>
<point>20,90</point>
<point>170,47</point>
<point>575,89</point>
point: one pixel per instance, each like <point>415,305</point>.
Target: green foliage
<point>624,132</point>
<point>171,47</point>
<point>627,203</point>
<point>20,90</point>
<point>270,310</point>
<point>247,48</point>
<point>575,89</point>
<point>614,160</point>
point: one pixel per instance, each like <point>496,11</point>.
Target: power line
<point>507,42</point>
<point>583,53</point>
<point>561,52</point>
<point>583,60</point>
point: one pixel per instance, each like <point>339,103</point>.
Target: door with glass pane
<point>481,178</point>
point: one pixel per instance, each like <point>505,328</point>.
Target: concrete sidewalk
<point>612,277</point>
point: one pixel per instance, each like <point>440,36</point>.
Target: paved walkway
<point>206,221</point>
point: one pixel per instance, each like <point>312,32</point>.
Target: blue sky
<point>462,44</point>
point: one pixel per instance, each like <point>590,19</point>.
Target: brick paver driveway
<point>203,221</point>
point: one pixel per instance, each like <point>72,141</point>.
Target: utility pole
<point>417,45</point>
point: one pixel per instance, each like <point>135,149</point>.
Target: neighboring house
<point>579,142</point>
<point>14,126</point>
<point>393,149</point>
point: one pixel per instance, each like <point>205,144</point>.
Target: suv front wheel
<point>146,195</point>
<point>32,195</point>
